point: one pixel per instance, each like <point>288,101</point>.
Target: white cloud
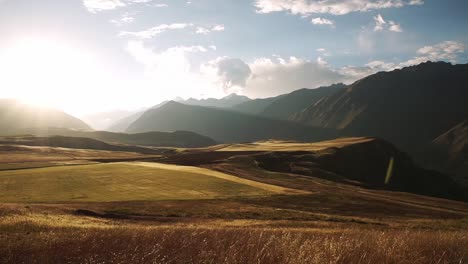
<point>322,21</point>
<point>232,74</point>
<point>282,75</point>
<point>381,24</point>
<point>394,27</point>
<point>125,19</point>
<point>205,31</point>
<point>95,6</point>
<point>334,7</point>
<point>152,32</point>
<point>446,51</point>
<point>170,73</point>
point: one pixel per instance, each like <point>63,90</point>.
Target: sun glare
<point>46,72</point>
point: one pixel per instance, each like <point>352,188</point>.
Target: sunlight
<point>46,72</point>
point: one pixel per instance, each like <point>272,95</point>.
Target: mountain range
<point>421,109</point>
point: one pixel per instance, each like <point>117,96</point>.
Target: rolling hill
<point>223,125</point>
<point>17,117</point>
<point>157,139</point>
<point>410,107</point>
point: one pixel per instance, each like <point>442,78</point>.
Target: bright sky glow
<point>88,56</point>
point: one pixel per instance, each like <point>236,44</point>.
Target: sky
<point>86,56</point>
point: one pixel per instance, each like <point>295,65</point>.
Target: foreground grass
<point>104,242</point>
<point>120,182</point>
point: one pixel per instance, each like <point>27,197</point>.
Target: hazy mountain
<point>103,120</point>
<point>15,117</point>
<point>122,124</point>
<point>223,125</point>
<point>157,139</point>
<point>225,102</point>
<point>409,107</point>
<point>289,104</point>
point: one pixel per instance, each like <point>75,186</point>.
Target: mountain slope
<point>294,102</point>
<point>16,117</point>
<point>452,147</point>
<point>222,125</point>
<point>409,107</point>
<point>255,106</point>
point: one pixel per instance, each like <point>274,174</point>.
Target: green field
<point>123,182</point>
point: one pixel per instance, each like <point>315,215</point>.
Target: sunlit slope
<point>16,117</point>
<point>125,182</point>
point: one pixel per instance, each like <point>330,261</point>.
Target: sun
<point>45,72</point>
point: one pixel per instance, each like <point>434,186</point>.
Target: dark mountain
<point>364,163</point>
<point>157,139</point>
<point>294,102</point>
<point>255,106</point>
<point>16,117</point>
<point>452,150</point>
<point>225,102</point>
<point>409,107</point>
<point>223,125</point>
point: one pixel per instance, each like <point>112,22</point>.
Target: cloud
<point>125,19</point>
<point>230,72</point>
<point>170,73</point>
<point>446,51</point>
<point>95,6</point>
<point>334,7</point>
<point>205,31</point>
<point>322,21</point>
<point>282,75</point>
<point>152,32</point>
<point>381,24</point>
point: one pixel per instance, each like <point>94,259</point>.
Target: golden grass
<point>275,145</point>
<point>50,239</point>
<point>122,182</point>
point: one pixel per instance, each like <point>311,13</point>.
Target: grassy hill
<point>223,125</point>
<point>124,182</point>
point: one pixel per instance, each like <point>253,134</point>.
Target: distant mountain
<point>223,125</point>
<point>122,124</point>
<point>157,139</point>
<point>225,102</point>
<point>410,107</point>
<point>16,117</point>
<point>289,104</point>
<point>102,120</point>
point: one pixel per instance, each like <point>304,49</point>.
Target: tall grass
<point>230,245</point>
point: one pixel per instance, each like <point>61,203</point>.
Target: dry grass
<point>275,145</point>
<point>146,244</point>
